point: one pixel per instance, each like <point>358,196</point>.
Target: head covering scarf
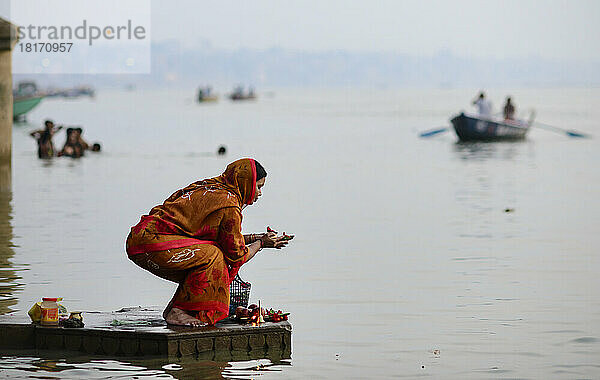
<point>238,178</point>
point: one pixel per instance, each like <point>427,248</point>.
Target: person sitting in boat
<point>238,92</point>
<point>484,106</point>
<point>195,239</point>
<point>509,109</point>
<point>44,139</point>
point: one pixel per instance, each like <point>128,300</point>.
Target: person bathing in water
<point>195,239</point>
<point>75,145</point>
<point>44,139</point>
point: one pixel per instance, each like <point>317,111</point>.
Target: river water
<point>405,262</point>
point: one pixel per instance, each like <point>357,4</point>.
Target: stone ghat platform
<point>141,332</point>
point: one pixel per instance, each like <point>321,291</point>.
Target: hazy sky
<point>565,30</point>
<point>549,29</point>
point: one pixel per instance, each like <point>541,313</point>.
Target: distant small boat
<point>22,105</point>
<point>205,94</point>
<point>74,92</point>
<point>477,128</point>
<point>236,96</point>
<point>239,93</point>
<point>211,98</point>
<point>77,92</point>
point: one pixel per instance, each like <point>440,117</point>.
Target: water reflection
<point>73,368</point>
<point>487,185</point>
<point>8,275</point>
<point>54,365</point>
<point>484,151</point>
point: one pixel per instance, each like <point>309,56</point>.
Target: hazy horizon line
<point>444,52</point>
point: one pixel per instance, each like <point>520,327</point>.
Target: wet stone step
<point>141,332</point>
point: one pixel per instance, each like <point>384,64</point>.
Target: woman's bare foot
<point>170,305</point>
<point>180,318</point>
<point>168,309</point>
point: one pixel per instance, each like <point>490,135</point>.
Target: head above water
<point>71,136</point>
<point>48,124</point>
<point>481,95</point>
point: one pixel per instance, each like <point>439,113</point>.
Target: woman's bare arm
<point>253,249</point>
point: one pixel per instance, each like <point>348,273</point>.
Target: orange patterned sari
<point>195,239</point>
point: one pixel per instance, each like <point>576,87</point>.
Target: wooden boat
<point>236,96</point>
<point>77,92</point>
<point>205,94</point>
<point>478,128</point>
<point>211,98</point>
<point>25,97</point>
<point>22,105</point>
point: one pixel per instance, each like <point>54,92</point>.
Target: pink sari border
<point>253,166</point>
<point>202,306</point>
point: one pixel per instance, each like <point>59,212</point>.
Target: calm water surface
<point>403,246</point>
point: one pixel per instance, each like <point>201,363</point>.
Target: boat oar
<point>552,128</point>
<point>432,132</point>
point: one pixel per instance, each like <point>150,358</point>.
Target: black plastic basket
<point>239,294</point>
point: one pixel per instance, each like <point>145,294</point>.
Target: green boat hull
<point>23,105</point>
